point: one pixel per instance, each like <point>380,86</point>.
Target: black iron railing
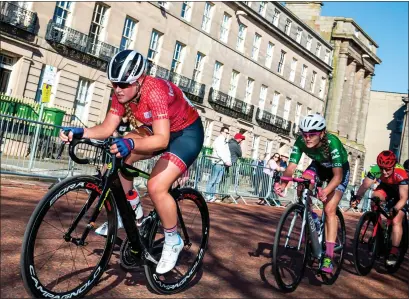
<point>79,41</point>
<point>231,106</point>
<point>194,90</point>
<point>17,16</point>
<point>273,122</point>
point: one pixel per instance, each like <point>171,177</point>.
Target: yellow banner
<point>46,93</point>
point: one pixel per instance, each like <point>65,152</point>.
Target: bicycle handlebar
<point>93,142</point>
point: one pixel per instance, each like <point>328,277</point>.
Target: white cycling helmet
<point>126,67</point>
<point>312,123</point>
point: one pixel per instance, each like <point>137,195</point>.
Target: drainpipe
<point>330,75</point>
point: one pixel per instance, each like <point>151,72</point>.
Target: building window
<point>318,50</point>
<point>309,111</point>
<point>207,16</point>
<point>322,87</point>
<point>299,35</point>
<point>280,68</point>
<point>82,99</point>
<point>241,37</point>
<point>309,42</point>
<point>293,69</point>
<point>97,26</point>
<point>234,80</point>
<point>254,147</point>
<point>326,57</point>
<point>263,96</point>
<point>198,68</point>
<point>269,54</point>
<point>62,12</point>
<point>312,83</point>
<point>276,17</point>
<point>186,10</point>
<point>6,67</point>
<point>287,107</point>
<point>262,8</point>
<point>249,90</point>
<point>303,75</point>
<point>154,45</point>
<point>217,75</point>
<point>177,57</point>
<point>297,115</point>
<point>225,27</point>
<point>128,34</point>
<point>287,28</point>
<point>274,105</point>
<point>208,128</point>
<point>163,4</point>
<point>256,46</point>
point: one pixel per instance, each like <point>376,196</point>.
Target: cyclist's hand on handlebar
<point>122,147</point>
<point>68,133</point>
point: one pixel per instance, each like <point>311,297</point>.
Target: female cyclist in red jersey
<point>165,123</point>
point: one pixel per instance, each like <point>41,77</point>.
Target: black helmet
<point>126,67</point>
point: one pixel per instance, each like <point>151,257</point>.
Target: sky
<point>387,24</point>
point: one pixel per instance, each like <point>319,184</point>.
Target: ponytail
<point>325,146</point>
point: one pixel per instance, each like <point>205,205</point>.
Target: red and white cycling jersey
<point>160,99</point>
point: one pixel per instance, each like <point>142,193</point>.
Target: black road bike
<point>63,257</point>
<point>373,238</point>
<point>299,241</point>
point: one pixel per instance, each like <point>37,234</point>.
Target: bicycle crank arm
<point>147,256</point>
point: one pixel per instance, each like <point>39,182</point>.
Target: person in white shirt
<point>222,153</point>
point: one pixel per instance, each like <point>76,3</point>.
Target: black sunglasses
<point>120,85</point>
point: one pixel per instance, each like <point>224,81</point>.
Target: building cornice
<point>350,20</point>
<point>251,13</point>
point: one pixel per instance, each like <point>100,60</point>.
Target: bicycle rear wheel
<point>365,243</point>
<point>339,250</point>
<point>289,261</point>
<point>52,266</point>
<point>195,216</point>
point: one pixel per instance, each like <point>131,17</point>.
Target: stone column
<point>21,82</point>
<point>356,105</point>
<point>347,100</point>
<point>334,110</point>
<point>363,115</point>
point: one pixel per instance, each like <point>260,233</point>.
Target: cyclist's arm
<point>403,194</point>
<point>158,141</point>
<point>104,130</point>
<point>366,184</point>
<point>288,173</point>
<point>335,181</point>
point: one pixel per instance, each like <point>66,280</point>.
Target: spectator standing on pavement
<point>222,153</point>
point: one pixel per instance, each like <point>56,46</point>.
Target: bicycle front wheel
<point>55,264</point>
<point>193,227</point>
<point>291,249</point>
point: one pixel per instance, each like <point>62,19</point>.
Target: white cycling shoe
<point>103,229</point>
<point>170,254</point>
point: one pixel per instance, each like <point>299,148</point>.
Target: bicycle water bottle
<point>133,199</point>
<point>316,220</point>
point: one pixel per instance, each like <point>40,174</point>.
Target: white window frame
<point>318,50</point>
<point>280,67</point>
<point>262,8</point>
<point>269,54</point>
<point>83,99</point>
<point>309,42</point>
<point>225,27</point>
<point>178,55</point>
<point>299,35</point>
<point>313,80</point>
<point>322,87</point>
<point>298,110</point>
<point>326,57</point>
<point>293,69</point>
<point>304,71</point>
<point>66,9</point>
<point>256,46</point>
<point>198,67</point>
<point>217,75</point>
<point>275,103</point>
<point>241,37</point>
<point>208,128</point>
<point>287,28</point>
<point>249,90</point>
<point>309,111</point>
<point>234,82</point>
<point>276,17</point>
<point>254,146</point>
<point>186,12</point>
<point>207,16</point>
<point>100,12</point>
<point>155,45</point>
<point>128,33</point>
<point>263,96</point>
<point>287,107</point>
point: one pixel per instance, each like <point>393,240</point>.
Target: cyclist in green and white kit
<point>330,163</point>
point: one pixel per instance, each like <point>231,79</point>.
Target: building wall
<point>31,57</point>
<point>382,127</point>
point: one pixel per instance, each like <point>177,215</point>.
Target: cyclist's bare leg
<point>330,209</point>
<point>163,175</point>
<point>397,229</point>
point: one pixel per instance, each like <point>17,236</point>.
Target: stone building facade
<point>254,67</point>
<point>354,60</point>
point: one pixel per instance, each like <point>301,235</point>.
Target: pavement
<point>237,263</point>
